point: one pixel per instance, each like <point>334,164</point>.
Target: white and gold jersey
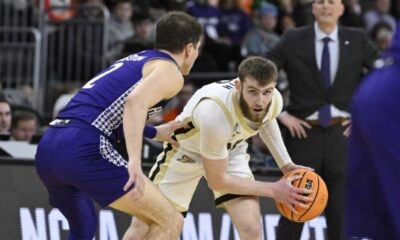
<point>218,130</point>
<point>230,125</point>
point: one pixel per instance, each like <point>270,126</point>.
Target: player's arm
<point>214,134</point>
<point>161,80</point>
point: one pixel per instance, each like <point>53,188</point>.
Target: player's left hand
<point>136,177</point>
<point>291,166</point>
<point>347,131</point>
<point>164,131</point>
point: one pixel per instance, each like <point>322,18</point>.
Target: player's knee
<point>252,229</point>
<point>175,227</point>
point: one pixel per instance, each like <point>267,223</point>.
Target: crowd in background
<point>234,29</point>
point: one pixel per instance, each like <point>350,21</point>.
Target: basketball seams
<point>283,210</point>
<point>298,185</point>
<point>315,197</point>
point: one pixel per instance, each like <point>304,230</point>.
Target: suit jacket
<point>295,53</point>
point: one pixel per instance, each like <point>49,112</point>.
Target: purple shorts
<point>79,158</point>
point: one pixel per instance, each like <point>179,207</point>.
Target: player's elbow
<point>216,184</point>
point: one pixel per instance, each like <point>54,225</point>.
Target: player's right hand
<point>135,177</point>
<point>295,125</point>
<point>164,131</point>
<point>291,196</point>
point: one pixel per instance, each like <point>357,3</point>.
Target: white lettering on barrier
<point>34,227</point>
<point>55,217</point>
<point>30,230</point>
<point>107,226</point>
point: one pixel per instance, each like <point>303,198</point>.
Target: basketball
<point>309,180</point>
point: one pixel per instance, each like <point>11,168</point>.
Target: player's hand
<point>291,166</point>
<point>164,131</point>
<point>295,125</point>
<point>135,177</point>
<point>290,196</point>
<point>347,131</point>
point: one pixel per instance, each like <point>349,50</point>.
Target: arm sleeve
<point>271,136</point>
<point>214,129</point>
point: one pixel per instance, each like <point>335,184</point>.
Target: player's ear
<point>189,49</point>
<point>238,84</point>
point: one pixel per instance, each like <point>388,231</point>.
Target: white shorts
<point>178,175</point>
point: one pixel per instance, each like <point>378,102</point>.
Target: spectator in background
<point>353,14</point>
<point>144,35</point>
<point>207,13</point>
<point>24,126</point>
<point>181,99</point>
<point>379,12</point>
<point>382,35</point>
<point>260,40</point>
<point>64,98</point>
<point>234,23</point>
<point>5,115</point>
<point>286,22</point>
<point>120,28</point>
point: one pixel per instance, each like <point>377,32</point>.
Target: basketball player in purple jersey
<point>76,159</point>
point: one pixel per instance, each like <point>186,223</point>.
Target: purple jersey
<point>100,102</point>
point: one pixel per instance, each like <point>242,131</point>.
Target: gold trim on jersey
<point>222,106</point>
<point>163,161</point>
<point>183,133</point>
<point>272,113</point>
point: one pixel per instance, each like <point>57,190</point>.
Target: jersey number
<point>114,67</point>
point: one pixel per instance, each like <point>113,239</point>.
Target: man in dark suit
<point>324,64</point>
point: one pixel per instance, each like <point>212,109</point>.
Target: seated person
<point>5,116</point>
<point>24,126</point>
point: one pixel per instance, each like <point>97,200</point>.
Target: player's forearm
<point>272,137</point>
<point>237,185</point>
<point>134,118</point>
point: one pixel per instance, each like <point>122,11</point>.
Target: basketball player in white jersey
<point>221,116</point>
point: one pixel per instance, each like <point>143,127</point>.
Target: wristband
<point>149,131</point>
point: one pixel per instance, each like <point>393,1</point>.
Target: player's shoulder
<point>276,104</point>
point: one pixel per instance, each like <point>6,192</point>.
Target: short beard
<point>245,108</point>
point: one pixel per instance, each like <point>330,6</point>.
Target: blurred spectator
<point>21,96</point>
<point>144,35</point>
<point>379,12</point>
<point>180,101</point>
<point>24,126</point>
<point>234,22</point>
<point>302,12</point>
<point>286,22</point>
<point>5,115</point>
<point>233,25</point>
<point>261,39</point>
<point>382,35</point>
<point>120,28</point>
<point>207,12</point>
<point>205,62</point>
<point>63,100</point>
<point>353,14</point>
<point>65,13</point>
<point>90,10</point>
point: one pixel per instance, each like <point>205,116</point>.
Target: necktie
<point>325,112</point>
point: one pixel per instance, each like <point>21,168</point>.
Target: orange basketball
<point>309,180</point>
